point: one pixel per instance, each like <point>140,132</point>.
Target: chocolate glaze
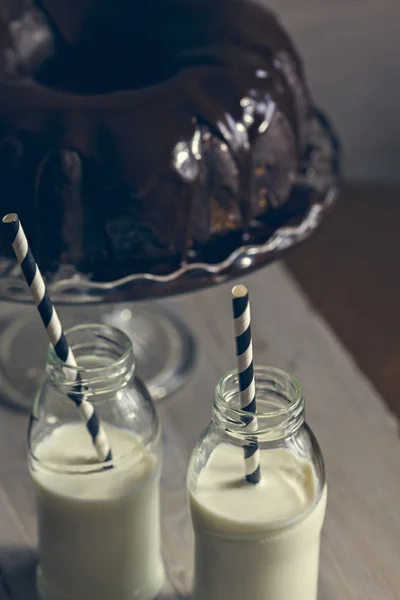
<point>139,136</point>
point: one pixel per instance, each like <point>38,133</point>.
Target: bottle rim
<point>279,405</point>
<point>112,348</point>
<point>103,331</point>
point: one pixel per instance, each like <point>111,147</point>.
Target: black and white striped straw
<point>34,279</point>
<point>247,388</point>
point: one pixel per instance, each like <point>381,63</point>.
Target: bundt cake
<point>136,136</point>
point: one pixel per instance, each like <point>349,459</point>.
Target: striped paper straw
<point>247,388</point>
<point>34,279</point>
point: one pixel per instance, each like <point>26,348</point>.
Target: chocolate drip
<point>26,38</point>
<point>146,142</point>
<point>59,208</point>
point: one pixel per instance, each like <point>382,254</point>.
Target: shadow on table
<point>17,573</point>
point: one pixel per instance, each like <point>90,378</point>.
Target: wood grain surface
<point>350,271</point>
<point>359,438</point>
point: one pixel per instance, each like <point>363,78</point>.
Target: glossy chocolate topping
<point>136,136</point>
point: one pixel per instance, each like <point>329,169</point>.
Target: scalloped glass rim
<point>70,286</point>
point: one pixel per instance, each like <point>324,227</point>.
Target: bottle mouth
<point>279,405</point>
<point>104,358</point>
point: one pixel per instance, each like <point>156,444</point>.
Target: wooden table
<point>350,269</point>
<point>359,438</point>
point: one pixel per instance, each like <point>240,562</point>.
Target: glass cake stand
<point>163,344</point>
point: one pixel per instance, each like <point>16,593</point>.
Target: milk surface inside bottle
<point>98,529</point>
<point>257,541</point>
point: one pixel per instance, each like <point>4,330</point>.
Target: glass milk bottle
<point>258,541</point>
<point>98,527</point>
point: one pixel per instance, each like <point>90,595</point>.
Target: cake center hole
<point>104,64</point>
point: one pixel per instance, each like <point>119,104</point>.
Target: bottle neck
<point>279,401</point>
<point>104,357</point>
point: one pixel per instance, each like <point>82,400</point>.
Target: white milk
<point>259,542</point>
<point>98,532</point>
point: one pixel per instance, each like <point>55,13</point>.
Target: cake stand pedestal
<point>163,345</point>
